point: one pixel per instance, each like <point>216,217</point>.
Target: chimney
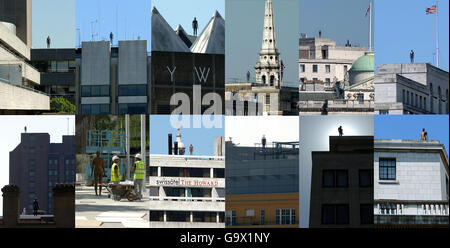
<point>170,143</point>
<point>11,198</point>
<point>175,148</point>
<point>64,205</point>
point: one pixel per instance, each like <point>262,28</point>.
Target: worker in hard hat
<point>115,170</point>
<point>139,173</point>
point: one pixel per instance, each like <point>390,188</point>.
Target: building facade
<point>321,60</point>
<point>187,191</point>
<point>19,80</point>
<point>411,184</point>
<point>36,166</point>
<point>262,185</point>
<point>57,68</point>
<point>342,184</point>
<point>112,80</point>
<point>187,67</point>
<point>335,79</point>
<point>417,88</point>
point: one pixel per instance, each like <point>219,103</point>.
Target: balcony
<point>168,203</point>
<point>411,212</point>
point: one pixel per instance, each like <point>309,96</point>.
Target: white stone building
<point>411,183</point>
<point>321,60</point>
<point>188,191</point>
<point>18,78</point>
<point>411,89</point>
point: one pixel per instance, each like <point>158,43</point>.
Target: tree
<point>62,105</point>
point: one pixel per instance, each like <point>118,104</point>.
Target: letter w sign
<point>201,74</point>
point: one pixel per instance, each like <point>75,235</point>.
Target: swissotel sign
<point>186,182</point>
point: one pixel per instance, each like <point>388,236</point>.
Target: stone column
<point>64,205</point>
<point>11,203</point>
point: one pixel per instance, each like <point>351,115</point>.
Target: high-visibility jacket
<point>113,175</point>
<point>139,172</point>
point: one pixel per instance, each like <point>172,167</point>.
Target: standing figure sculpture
<point>424,135</point>
<point>341,131</point>
<point>411,56</point>
<point>48,41</point>
<point>195,26</point>
<point>98,171</point>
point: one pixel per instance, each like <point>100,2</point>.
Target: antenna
<point>92,30</point>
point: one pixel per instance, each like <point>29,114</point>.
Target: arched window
<point>264,79</point>
<point>272,79</point>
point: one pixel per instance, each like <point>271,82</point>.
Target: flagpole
<point>437,34</point>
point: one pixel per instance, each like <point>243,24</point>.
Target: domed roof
<point>364,63</point>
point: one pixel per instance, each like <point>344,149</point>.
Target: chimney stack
<point>175,148</point>
<point>11,198</point>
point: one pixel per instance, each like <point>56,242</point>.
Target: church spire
<point>267,70</point>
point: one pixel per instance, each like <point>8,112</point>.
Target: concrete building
<point>417,88</point>
<point>342,185</point>
<point>411,184</point>
<point>335,79</point>
<point>112,79</point>
<point>267,95</point>
<point>57,68</point>
<point>187,191</point>
<point>19,80</point>
<point>36,166</point>
<point>262,185</point>
<point>192,66</point>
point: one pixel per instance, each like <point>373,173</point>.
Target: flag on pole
<point>431,10</point>
<point>368,9</point>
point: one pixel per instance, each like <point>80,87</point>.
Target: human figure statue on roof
<point>248,76</point>
<point>195,26</point>
<point>48,41</point>
<point>111,37</point>
<point>341,131</point>
<point>411,56</point>
<point>424,135</point>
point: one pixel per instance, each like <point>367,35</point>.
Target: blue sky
<point>133,20</point>
<point>338,20</point>
<point>402,25</point>
<point>201,138</point>
<point>54,18</point>
<point>183,12</point>
<point>410,127</point>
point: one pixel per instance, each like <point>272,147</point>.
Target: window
<point>95,90</point>
<point>262,216</point>
<point>315,68</point>
<point>133,90</point>
<point>250,212</point>
<point>335,178</point>
<point>94,109</point>
<point>365,178</point>
<point>327,68</point>
<point>230,217</point>
<point>328,81</point>
<point>387,168</point>
<point>366,214</point>
<point>335,214</point>
<point>132,108</point>
<point>404,97</point>
<point>302,68</point>
<point>156,215</point>
<point>383,111</point>
<point>178,216</point>
<point>285,216</point>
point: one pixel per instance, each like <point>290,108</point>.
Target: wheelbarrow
<point>122,190</point>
